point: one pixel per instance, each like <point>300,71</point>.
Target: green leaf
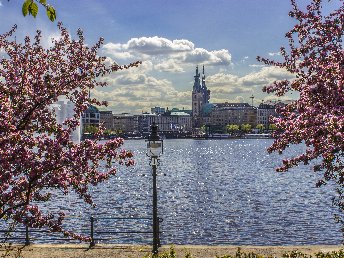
<point>33,9</point>
<point>43,1</point>
<point>51,13</point>
<point>25,8</point>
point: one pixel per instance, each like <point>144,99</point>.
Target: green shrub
<point>169,254</point>
<point>239,254</point>
<point>296,254</point>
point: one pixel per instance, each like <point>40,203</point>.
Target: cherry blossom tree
<point>37,155</point>
<point>315,56</point>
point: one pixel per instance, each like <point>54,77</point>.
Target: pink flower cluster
<point>315,56</point>
<point>37,155</point>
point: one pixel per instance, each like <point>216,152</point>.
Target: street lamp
<point>154,150</point>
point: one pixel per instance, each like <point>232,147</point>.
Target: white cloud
<point>274,53</point>
<point>115,51</point>
<point>266,75</point>
<point>226,86</point>
<point>256,65</point>
<point>150,46</point>
<point>157,46</point>
<point>131,80</point>
<point>47,41</point>
<point>201,55</point>
<point>244,59</point>
<point>162,50</point>
<point>145,67</point>
<point>221,79</point>
<point>237,99</point>
<point>169,66</point>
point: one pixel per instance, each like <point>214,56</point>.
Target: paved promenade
<point>136,251</point>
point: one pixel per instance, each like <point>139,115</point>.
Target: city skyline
<point>171,38</point>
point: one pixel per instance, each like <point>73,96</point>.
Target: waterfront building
<point>175,121</point>
<point>200,97</point>
<point>169,122</point>
<point>144,121</point>
<point>106,119</point>
<point>125,123</point>
<point>264,112</point>
<point>233,113</point>
<point>267,110</point>
<point>91,117</point>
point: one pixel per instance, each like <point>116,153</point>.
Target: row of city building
<point>169,121</point>
<point>181,121</point>
<point>215,116</point>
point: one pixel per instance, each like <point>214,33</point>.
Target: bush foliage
<point>240,254</point>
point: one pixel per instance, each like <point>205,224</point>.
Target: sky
<point>171,38</point>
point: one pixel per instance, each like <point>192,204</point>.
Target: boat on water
<point>219,136</point>
<point>257,136</point>
<point>198,136</point>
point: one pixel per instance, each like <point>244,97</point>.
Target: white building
<point>264,112</point>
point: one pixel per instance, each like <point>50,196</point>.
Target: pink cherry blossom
<point>37,155</point>
<point>315,56</point>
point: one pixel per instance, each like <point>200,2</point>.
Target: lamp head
<point>154,145</point>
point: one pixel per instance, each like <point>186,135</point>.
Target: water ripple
<point>220,192</point>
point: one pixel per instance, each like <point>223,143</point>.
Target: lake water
<point>220,192</point>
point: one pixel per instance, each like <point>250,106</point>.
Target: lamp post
<point>154,150</point>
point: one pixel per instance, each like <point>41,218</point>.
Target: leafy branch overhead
<point>30,7</point>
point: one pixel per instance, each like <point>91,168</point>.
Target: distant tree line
<point>239,128</point>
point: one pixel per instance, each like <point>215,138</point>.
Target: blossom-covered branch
<point>37,155</point>
<point>315,56</point>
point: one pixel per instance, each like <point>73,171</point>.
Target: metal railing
<point>121,230</point>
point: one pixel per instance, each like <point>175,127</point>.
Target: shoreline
<point>139,251</point>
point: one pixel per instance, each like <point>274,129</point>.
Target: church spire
<point>197,83</point>
<point>203,75</point>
